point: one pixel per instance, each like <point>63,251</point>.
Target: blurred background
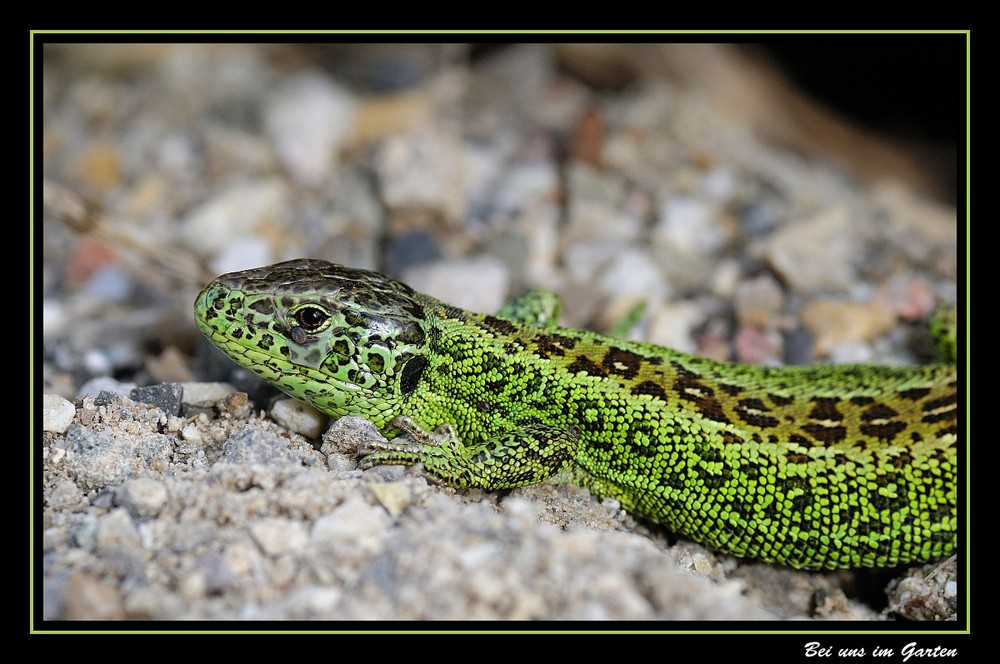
<point>783,202</point>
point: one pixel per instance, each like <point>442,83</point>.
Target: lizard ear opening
<point>411,374</point>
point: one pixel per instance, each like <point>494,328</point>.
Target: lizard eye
<point>311,319</point>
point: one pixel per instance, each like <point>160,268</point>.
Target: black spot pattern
<point>499,326</point>
<point>758,417</point>
<point>825,408</point>
<point>549,345</point>
<point>652,389</point>
<point>622,362</point>
<point>587,366</point>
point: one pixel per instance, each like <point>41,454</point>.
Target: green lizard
<point>813,467</point>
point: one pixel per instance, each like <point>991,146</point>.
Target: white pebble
<point>54,318</point>
<point>241,254</point>
<point>299,417</point>
<point>691,225</point>
<point>476,284</point>
<point>240,210</point>
<point>201,394</point>
<point>310,120</point>
<point>191,434</point>
<point>634,272</point>
<point>95,386</point>
<point>57,413</point>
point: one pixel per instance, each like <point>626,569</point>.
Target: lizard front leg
<point>526,455</point>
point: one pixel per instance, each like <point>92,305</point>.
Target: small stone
<point>925,593</point>
<point>585,259</point>
<point>191,434</point>
<point>393,496</point>
<point>242,558</point>
<point>911,298</point>
<point>206,394</point>
<point>725,279</point>
<point>96,361</point>
<point>759,301</point>
<point>95,460</point>
<point>588,138</point>
<point>192,586</point>
<point>817,253</point>
<point>834,322</point>
<point>55,318</point>
<point>108,283</point>
<point>634,272</point>
<point>217,574</point>
<point>310,119</point>
<point>524,185</point>
<point>63,495</point>
<point>115,530</point>
<point>299,417</point>
<point>253,446</point>
<point>691,226</point>
<point>142,497</point>
<point>241,253</point>
<point>409,250</point>
<point>701,564</point>
<point>353,525</point>
<point>799,346</point>
<point>165,396</point>
<point>426,169</point>
<point>229,150</point>
<point>477,284</point>
<point>925,230</point>
<point>276,536</point>
<point>86,598</point>
<point>170,366</point>
<point>243,209</point>
<point>57,413</point>
<point>672,325</point>
<point>95,386</point>
<point>100,166</point>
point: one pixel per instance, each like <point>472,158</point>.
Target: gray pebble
<point>410,249</point>
<point>109,283</point>
<point>98,461</point>
<point>95,460</point>
<point>165,396</point>
<point>252,446</point>
<point>115,530</point>
<point>63,494</point>
<point>218,573</point>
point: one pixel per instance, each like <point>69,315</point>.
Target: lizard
<point>813,467</point>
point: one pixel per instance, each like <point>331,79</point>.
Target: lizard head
<point>347,341</point>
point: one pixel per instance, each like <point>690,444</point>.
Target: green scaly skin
<point>813,467</point>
